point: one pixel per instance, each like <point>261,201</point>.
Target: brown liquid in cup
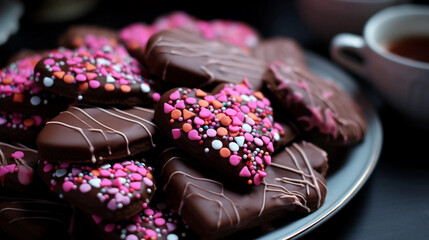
<point>413,47</point>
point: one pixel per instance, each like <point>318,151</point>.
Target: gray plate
<point>346,181</point>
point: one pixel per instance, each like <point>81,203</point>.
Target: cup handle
<point>348,50</point>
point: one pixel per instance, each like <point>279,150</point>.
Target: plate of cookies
<point>179,129</point>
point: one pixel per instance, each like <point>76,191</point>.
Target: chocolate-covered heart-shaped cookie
<point>113,191</point>
<point>96,76</point>
<point>230,130</point>
<point>93,134</point>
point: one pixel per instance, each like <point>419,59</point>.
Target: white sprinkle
<point>48,82</point>
<point>35,100</point>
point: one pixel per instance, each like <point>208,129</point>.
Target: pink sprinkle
<point>48,167</point>
<point>204,113</point>
<point>248,137</point>
<point>244,172</point>
<point>49,61</point>
<point>159,222</point>
<point>266,139</point>
<point>190,100</point>
<point>234,160</point>
<point>230,112</point>
<point>136,177</point>
<point>233,128</point>
<point>198,121</point>
<point>25,175</point>
<point>156,96</point>
<point>236,121</point>
<point>112,205</point>
<point>132,168</point>
<point>258,142</point>
<point>131,228</point>
<point>67,186</point>
<point>262,173</point>
<point>91,75</point>
<point>180,104</point>
<point>193,135</point>
<point>148,212</point>
<point>175,95</point>
<point>109,227</point>
<point>257,179</point>
<point>131,237</point>
<point>117,166</point>
<point>120,173</point>
<point>211,132</point>
<point>270,147</point>
<point>96,218</point>
<point>104,173</point>
<point>142,171</point>
<point>258,160</point>
<point>176,132</point>
<point>84,188</point>
<point>148,181</point>
<point>37,120</point>
<point>267,159</point>
<point>150,233</point>
<point>117,182</point>
<point>3,171</point>
<point>56,68</point>
<point>135,185</point>
<point>252,104</point>
<point>94,84</point>
<point>168,108</point>
<point>112,191</point>
<point>80,77</point>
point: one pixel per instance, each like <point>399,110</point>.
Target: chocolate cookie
<point>214,210</point>
<point>113,191</point>
<point>35,218</point>
<point>17,166</point>
<point>19,127</point>
<point>188,60</point>
<point>282,49</point>
<point>101,77</point>
<point>230,131</point>
<point>19,93</point>
<point>320,107</point>
<point>93,134</point>
<point>156,221</point>
<point>92,37</point>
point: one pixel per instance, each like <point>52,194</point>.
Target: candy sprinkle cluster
<point>16,80</point>
<point>159,222</point>
<point>20,120</point>
<point>118,185</point>
<point>236,123</point>
<point>92,70</point>
<point>20,168</point>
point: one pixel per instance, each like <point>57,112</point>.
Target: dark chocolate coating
<point>35,218</point>
<point>282,49</point>
<point>321,108</point>
<point>113,191</point>
<point>231,131</point>
<point>106,76</point>
<point>213,210</point>
<point>188,60</point>
<point>88,36</point>
<point>17,166</point>
<point>95,134</point>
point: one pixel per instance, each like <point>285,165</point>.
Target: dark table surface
<point>393,203</point>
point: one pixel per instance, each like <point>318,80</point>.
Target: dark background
<point>393,204</point>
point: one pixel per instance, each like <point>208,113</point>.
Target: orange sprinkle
<point>225,152</point>
<point>187,127</point>
<point>83,86</point>
<point>217,104</point>
<point>249,182</point>
<point>203,103</point>
<point>7,81</point>
<point>68,79</point>
<point>233,134</point>
<point>200,93</point>
<point>90,67</point>
<point>149,175</point>
<point>259,95</point>
<point>28,122</point>
<point>175,114</point>
<point>253,116</point>
<point>59,75</point>
<point>125,88</point>
<point>171,120</point>
<point>222,131</point>
<point>95,172</point>
<point>220,115</point>
<point>226,121</point>
<point>238,99</point>
<point>133,45</point>
<point>18,97</point>
<point>109,87</point>
<point>187,114</point>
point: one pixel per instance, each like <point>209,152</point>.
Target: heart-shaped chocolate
<point>230,130</point>
<point>113,191</point>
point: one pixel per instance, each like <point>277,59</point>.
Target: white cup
<point>403,82</point>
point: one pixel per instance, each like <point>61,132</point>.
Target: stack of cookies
<point>180,129</point>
